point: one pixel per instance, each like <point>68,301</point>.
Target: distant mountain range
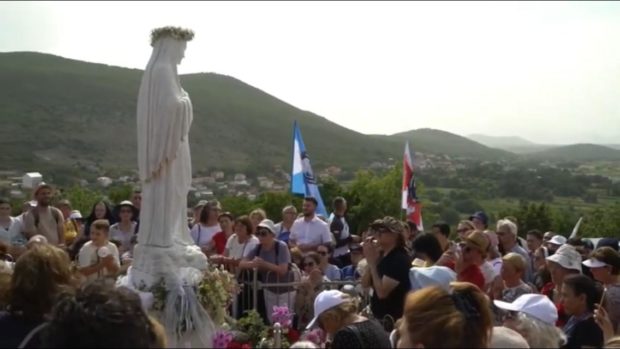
<point>63,113</point>
<point>575,152</point>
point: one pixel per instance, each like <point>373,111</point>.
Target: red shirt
<point>473,275</point>
<point>219,240</point>
<point>547,290</point>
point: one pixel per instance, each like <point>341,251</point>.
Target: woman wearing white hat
<point>564,262</point>
<point>125,229</point>
<point>534,317</point>
<point>335,313</point>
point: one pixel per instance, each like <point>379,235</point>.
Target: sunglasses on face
<point>262,233</point>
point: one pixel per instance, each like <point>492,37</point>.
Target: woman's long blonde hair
<point>438,319</point>
<point>343,311</point>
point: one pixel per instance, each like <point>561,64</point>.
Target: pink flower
<point>282,315</point>
<point>221,339</point>
<point>315,336</point>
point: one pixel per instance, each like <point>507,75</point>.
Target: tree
<point>81,198</point>
<point>371,196</point>
<point>120,193</point>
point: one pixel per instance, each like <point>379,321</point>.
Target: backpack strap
<point>37,217</point>
<point>55,215</point>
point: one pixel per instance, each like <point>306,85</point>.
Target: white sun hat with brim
<point>558,240</point>
<point>431,276</point>
<point>325,301</point>
<point>568,257</point>
<point>267,224</point>
<point>537,306</point>
<point>594,263</point>
<point>75,214</point>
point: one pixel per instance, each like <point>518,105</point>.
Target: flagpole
<point>400,192</point>
<point>293,158</point>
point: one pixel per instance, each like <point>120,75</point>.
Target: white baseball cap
<point>594,263</point>
<point>558,240</point>
<point>568,257</point>
<point>325,301</point>
<point>431,276</point>
<point>535,305</point>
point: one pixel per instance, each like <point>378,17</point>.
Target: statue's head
<point>176,37</point>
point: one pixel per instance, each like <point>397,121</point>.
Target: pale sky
<point>549,72</point>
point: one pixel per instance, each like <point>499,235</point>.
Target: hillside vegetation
<point>62,112</point>
<point>67,114</point>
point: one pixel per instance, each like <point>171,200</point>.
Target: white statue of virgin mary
<point>165,250</point>
<point>164,119</point>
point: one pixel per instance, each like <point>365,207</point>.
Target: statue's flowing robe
<point>164,117</point>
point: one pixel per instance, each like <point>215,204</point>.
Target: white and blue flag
<point>303,181</point>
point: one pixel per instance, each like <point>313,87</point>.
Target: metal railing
<point>277,290</point>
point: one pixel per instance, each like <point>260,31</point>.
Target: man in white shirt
<point>308,232</point>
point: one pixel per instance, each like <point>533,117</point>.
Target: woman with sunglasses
<point>472,254</point>
<point>331,271</point>
<point>272,258</point>
<point>311,285</point>
<point>125,229</point>
<point>335,313</point>
<point>207,234</point>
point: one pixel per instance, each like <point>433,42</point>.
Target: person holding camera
<point>388,270</point>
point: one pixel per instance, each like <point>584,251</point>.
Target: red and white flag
<point>409,197</point>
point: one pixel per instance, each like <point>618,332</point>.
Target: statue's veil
<point>160,91</point>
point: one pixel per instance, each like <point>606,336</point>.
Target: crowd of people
<point>479,287</point>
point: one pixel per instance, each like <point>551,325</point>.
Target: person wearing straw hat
<point>473,254</point>
<point>336,313</point>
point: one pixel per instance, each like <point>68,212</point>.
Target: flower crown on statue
<point>177,33</point>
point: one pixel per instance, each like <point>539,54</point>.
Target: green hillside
<point>437,141</point>
<point>578,152</point>
<point>63,113</point>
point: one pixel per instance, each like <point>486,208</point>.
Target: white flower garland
<point>177,33</point>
